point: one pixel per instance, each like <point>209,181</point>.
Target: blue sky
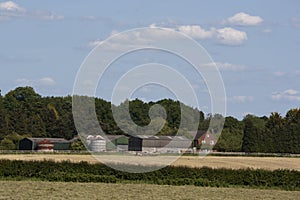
<point>255,44</point>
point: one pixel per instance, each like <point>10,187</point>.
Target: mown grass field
<point>60,190</point>
<point>232,162</point>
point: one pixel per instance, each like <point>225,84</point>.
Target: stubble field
<point>60,190</point>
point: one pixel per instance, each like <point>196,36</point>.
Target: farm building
<point>117,143</point>
<point>52,144</point>
<point>199,136</point>
<point>45,146</point>
<point>107,143</point>
<point>162,144</point>
<point>205,140</point>
<point>96,143</point>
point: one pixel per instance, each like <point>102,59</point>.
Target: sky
<point>255,45</point>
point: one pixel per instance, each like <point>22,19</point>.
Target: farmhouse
<point>199,136</point>
<point>162,144</point>
<point>204,140</point>
<point>44,144</point>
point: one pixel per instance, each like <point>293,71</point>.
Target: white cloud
<point>226,66</point>
<point>227,35</point>
<point>11,7</point>
<point>230,36</point>
<point>290,74</point>
<point>230,67</point>
<point>244,19</point>
<point>94,43</point>
<point>241,99</point>
<point>53,16</point>
<point>45,81</point>
<point>196,32</point>
<point>10,10</point>
<point>135,40</point>
<point>47,15</point>
<point>290,95</point>
<point>153,25</point>
<point>291,92</point>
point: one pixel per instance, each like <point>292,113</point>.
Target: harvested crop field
<point>232,162</point>
<point>60,190</point>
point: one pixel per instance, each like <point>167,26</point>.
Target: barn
<point>161,144</point>
<point>45,146</point>
<point>32,144</point>
<point>117,143</point>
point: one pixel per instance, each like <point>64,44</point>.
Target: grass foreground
<point>70,190</point>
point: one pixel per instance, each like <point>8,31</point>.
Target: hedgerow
<point>67,171</point>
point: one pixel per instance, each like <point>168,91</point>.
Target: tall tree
<point>253,133</point>
<point>3,122</point>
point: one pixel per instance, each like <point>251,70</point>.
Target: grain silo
<point>97,144</point>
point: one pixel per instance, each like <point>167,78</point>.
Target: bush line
<point>67,171</point>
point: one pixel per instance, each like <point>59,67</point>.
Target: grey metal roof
<point>53,140</point>
<point>113,137</point>
<point>162,137</point>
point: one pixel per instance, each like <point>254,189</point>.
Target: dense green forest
<point>24,113</point>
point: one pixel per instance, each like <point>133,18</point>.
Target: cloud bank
<point>244,19</point>
<point>226,36</point>
<point>45,81</point>
<point>290,95</point>
<point>11,10</point>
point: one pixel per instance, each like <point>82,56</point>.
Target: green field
<point>60,190</point>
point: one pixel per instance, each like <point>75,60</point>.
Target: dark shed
<point>27,144</point>
<point>135,144</point>
<point>142,142</point>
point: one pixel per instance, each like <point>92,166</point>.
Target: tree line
<point>25,113</point>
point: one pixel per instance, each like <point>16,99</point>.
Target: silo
<point>98,144</point>
<point>89,139</point>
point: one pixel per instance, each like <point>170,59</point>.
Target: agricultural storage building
<point>96,143</point>
<point>162,144</point>
<point>117,143</point>
<point>45,146</point>
<point>33,143</point>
